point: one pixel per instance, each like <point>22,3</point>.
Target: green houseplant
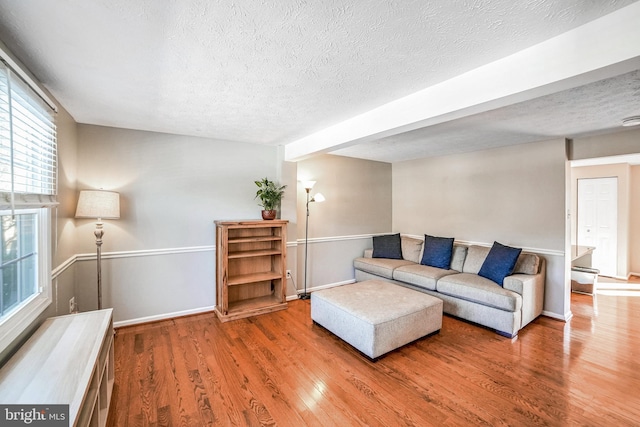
<point>270,195</point>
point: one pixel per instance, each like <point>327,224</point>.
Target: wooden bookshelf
<point>251,260</point>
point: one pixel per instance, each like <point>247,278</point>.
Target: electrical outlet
<point>72,304</point>
<point>288,274</point>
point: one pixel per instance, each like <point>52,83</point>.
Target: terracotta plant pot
<point>269,214</point>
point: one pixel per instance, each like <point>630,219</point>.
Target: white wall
<point>622,172</point>
<point>515,195</point>
<point>626,141</point>
<point>634,221</point>
<point>159,256</point>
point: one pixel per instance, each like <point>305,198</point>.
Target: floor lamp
<point>98,204</point>
<point>308,185</point>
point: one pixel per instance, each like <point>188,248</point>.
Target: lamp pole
<point>305,295</point>
<point>99,232</point>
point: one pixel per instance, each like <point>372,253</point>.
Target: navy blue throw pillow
<point>499,263</point>
<point>437,251</point>
<point>387,246</point>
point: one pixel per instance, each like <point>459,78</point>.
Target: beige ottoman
<point>375,316</point>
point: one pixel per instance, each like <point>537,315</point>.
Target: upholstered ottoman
<point>376,317</point>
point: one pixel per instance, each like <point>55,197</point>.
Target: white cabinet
<point>68,360</point>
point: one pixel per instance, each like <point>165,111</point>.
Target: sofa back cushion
<point>458,257</point>
<point>411,249</point>
<point>527,264</point>
<point>475,257</point>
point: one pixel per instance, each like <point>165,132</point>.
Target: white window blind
<point>28,170</point>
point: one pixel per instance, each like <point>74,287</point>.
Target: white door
<point>598,221</point>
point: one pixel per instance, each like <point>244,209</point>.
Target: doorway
<point>597,217</point>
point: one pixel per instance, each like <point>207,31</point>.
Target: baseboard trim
<point>565,318</point>
<point>163,316</point>
<point>318,288</point>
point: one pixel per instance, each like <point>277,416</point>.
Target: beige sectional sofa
<point>465,294</point>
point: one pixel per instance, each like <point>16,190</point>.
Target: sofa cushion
<point>474,259</point>
<point>382,267</point>
<point>419,275</point>
<point>472,287</point>
<point>437,251</point>
<point>458,256</point>
<point>411,248</point>
<point>387,246</point>
<point>499,263</point>
<point>527,264</point>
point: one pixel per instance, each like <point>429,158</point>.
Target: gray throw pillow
<point>387,246</point>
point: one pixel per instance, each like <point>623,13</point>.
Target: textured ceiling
<point>273,72</point>
<point>585,110</point>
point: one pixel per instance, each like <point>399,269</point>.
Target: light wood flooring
<point>281,369</point>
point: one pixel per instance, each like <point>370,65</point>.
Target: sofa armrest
<point>368,253</point>
<point>531,288</point>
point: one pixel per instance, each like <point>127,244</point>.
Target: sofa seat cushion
<point>472,287</point>
<point>382,267</point>
<point>422,276</point>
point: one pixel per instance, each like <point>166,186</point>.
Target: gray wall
<point>63,216</point>
<point>358,204</point>
<point>515,195</point>
<point>605,145</point>
<point>159,257</point>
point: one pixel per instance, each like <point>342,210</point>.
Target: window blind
<point>28,160</point>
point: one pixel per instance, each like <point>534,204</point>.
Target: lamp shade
<point>319,198</point>
<point>98,204</point>
<point>308,185</point>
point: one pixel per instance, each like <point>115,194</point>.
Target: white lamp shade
<point>319,198</point>
<point>98,204</point>
<point>308,185</point>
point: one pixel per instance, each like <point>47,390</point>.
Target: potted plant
<point>270,195</point>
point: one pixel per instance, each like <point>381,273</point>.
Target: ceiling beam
<point>606,47</point>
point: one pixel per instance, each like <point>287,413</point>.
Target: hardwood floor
<point>281,369</point>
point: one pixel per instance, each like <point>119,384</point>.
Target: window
<point>18,260</point>
<point>27,194</point>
